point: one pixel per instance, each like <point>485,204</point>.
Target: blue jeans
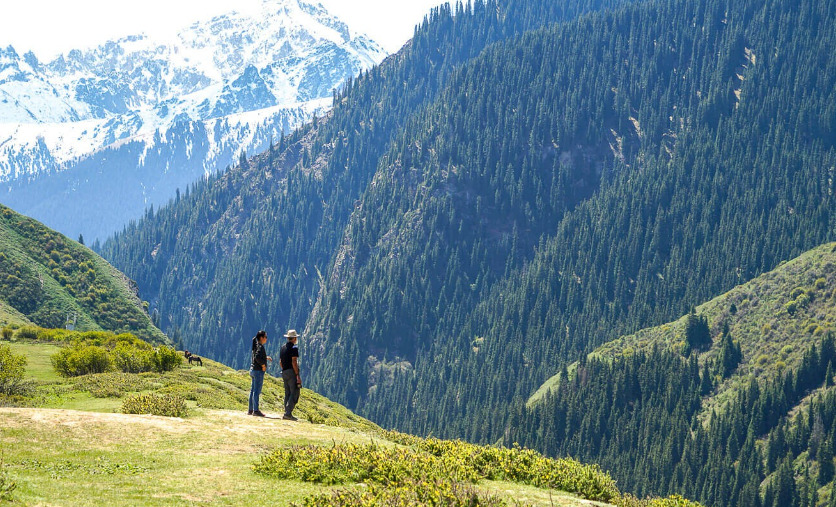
<point>255,390</point>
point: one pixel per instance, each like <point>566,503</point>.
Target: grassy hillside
<point>775,318</point>
<point>66,438</point>
<point>46,277</point>
<point>748,413</point>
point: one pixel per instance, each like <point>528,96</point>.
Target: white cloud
<point>50,27</point>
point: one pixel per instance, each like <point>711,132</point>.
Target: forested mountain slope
<point>717,189</point>
<point>50,280</point>
<point>249,248</point>
<point>539,196</point>
<point>733,404</point>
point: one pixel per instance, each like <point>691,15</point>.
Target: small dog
<point>193,358</point>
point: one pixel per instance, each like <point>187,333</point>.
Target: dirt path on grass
<point>233,430</point>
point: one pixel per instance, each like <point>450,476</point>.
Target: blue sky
<point>49,27</point>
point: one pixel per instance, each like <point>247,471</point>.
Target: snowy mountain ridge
<point>242,78</point>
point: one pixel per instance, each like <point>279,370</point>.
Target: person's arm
<point>295,362</point>
<point>261,357</point>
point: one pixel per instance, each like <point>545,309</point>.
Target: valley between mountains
<point>595,229</point>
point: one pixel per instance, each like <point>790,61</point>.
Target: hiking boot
<point>258,413</point>
<point>249,412</point>
<point>289,418</point>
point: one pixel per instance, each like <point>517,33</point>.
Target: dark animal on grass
<point>193,358</point>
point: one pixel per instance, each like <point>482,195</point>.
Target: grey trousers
<point>291,392</point>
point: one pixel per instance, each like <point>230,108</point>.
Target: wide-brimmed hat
<point>291,334</point>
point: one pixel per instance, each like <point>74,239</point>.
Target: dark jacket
<point>259,357</point>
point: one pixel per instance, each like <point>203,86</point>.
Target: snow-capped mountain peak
<point>268,67</point>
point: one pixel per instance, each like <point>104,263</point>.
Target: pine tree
<point>706,383</point>
<point>785,488</point>
<point>826,468</point>
<point>729,356</point>
<point>697,335</point>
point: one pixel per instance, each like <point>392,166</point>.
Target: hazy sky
<point>49,27</point>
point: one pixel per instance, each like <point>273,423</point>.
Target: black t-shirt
<point>286,355</point>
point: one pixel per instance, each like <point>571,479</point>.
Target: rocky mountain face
<point>92,138</point>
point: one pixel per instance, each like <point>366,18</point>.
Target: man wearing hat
<point>289,358</point>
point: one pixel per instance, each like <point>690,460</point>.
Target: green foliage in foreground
<point>411,492</point>
<point>166,405</point>
<point>12,368</point>
<point>437,472</point>
<point>7,484</point>
<point>672,501</point>
<point>519,465</point>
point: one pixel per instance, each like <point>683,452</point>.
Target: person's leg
<point>252,391</point>
<point>289,379</point>
<point>294,397</point>
<point>258,383</point>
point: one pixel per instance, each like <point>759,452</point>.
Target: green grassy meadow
<point>66,442</point>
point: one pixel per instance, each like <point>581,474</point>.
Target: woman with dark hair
<point>257,371</point>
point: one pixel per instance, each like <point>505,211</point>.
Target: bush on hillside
<point>166,405</point>
<point>671,501</point>
<point>435,460</point>
<point>131,359</point>
<point>75,361</point>
<point>413,492</point>
<point>166,359</point>
<point>27,332</point>
<point>12,369</point>
<point>123,352</point>
<point>8,333</point>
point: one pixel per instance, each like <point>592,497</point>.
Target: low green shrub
<point>671,501</point>
<point>520,465</point>
<point>7,486</point>
<point>413,492</point>
<point>75,361</point>
<point>166,405</point>
<point>432,459</point>
<point>112,385</point>
<point>27,333</point>
<point>7,333</point>
<point>12,370</point>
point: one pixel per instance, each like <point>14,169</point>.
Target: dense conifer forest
<point>522,183</point>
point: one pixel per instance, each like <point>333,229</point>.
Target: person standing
<point>257,371</point>
<point>289,359</point>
